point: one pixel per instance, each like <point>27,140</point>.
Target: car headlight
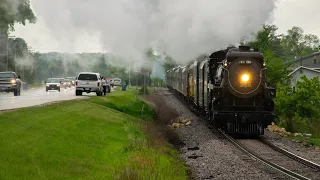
<point>47,84</point>
<point>58,84</point>
<point>13,81</point>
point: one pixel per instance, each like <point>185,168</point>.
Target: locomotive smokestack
<point>244,48</point>
<point>230,47</point>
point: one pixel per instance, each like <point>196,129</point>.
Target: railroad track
<point>286,163</point>
<point>277,158</point>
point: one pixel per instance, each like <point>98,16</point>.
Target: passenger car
<point>117,82</point>
<point>72,79</point>
<point>53,84</point>
<point>89,82</point>
<point>65,83</point>
<point>10,82</point>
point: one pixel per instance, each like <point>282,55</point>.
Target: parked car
<point>116,81</point>
<point>72,79</point>
<point>89,82</point>
<point>111,83</point>
<point>66,83</point>
<point>53,84</point>
<point>10,82</point>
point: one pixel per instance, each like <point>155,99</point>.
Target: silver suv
<point>10,82</point>
<point>88,82</point>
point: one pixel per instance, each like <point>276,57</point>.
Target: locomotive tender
<point>229,87</point>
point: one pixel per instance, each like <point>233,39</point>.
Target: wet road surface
<point>37,96</point>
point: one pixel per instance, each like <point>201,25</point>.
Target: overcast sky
<point>288,13</point>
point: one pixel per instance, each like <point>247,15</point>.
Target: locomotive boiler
<point>229,87</point>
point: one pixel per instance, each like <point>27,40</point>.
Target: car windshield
<point>53,81</point>
<point>6,75</point>
<point>89,77</point>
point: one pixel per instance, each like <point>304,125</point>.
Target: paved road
<point>37,96</point>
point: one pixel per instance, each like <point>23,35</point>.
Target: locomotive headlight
<point>245,78</point>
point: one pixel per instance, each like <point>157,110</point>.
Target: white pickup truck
<point>88,82</point>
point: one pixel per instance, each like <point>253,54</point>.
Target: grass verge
<point>313,141</point>
<point>97,138</point>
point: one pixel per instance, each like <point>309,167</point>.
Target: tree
<point>277,71</point>
<point>267,39</point>
<point>269,43</point>
<point>169,63</point>
<point>101,66</point>
<point>299,108</point>
<point>297,42</point>
<point>73,68</point>
<point>15,11</point>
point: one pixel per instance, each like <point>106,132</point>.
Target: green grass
<point>314,140</point>
<point>84,139</point>
<point>127,102</point>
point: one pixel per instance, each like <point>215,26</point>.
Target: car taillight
<point>98,83</point>
<point>76,83</point>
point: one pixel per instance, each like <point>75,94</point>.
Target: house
<point>309,61</point>
<point>308,65</point>
<point>300,71</point>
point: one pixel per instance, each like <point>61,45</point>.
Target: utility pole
<point>144,82</point>
<point>7,55</point>
<point>15,57</point>
<point>7,68</point>
<point>129,75</point>
<point>137,80</point>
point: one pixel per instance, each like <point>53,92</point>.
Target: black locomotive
<point>229,87</point>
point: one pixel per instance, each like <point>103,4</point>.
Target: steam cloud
<point>182,28</point>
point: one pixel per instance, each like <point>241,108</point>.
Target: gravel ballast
<point>210,156</point>
<point>300,148</point>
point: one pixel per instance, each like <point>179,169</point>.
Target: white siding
<point>296,76</point>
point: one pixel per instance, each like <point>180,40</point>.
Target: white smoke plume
<point>182,28</point>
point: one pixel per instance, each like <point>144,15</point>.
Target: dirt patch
<point>165,115</point>
<point>162,130</point>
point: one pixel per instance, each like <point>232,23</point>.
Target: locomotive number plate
<point>243,84</point>
<point>245,62</point>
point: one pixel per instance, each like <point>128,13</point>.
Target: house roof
<point>303,57</point>
<point>306,68</point>
<point>310,65</point>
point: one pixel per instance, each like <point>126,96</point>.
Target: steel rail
<point>291,155</point>
<point>264,161</point>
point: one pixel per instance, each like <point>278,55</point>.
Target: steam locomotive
<point>229,87</point>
